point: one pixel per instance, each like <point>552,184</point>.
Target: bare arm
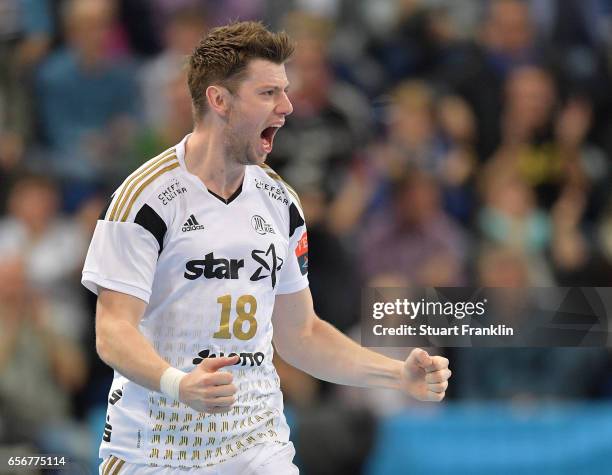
<point>316,347</point>
<point>119,342</point>
<point>121,345</point>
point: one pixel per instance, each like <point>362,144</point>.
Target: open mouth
<point>267,138</point>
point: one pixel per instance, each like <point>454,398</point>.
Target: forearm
<point>327,354</point>
<point>121,346</point>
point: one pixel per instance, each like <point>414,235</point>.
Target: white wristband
<point>170,381</point>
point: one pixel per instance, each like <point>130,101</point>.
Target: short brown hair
<point>223,55</point>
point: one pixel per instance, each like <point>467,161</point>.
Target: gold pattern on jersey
<point>250,419</point>
<point>138,176</point>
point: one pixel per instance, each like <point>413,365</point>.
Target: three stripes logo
<point>191,225</point>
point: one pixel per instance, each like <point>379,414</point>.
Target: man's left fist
<point>425,377</point>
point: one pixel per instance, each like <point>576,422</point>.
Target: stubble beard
<point>237,146</point>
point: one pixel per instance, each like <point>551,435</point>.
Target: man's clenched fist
<point>206,389</point>
<point>425,377</point>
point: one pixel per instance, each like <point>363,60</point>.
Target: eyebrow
<point>276,88</point>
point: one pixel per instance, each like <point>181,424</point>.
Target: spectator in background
<point>221,13</point>
<point>523,375</point>
<point>507,40</point>
<point>39,365</point>
<point>25,36</point>
<point>436,137</point>
<point>548,150</point>
<point>330,118</point>
<point>510,217</point>
<point>415,239</point>
<point>169,128</point>
<point>182,31</point>
<point>87,103</point>
<point>420,39</point>
<point>601,271</point>
<point>51,249</point>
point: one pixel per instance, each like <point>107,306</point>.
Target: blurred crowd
<point>433,143</point>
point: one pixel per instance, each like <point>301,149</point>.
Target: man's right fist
<point>207,389</point>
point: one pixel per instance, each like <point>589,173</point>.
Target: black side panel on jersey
<point>152,222</point>
<point>295,219</point>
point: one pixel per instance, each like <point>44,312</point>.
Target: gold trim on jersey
<point>135,196</point>
<point>112,462</point>
<point>275,176</point>
<point>118,467</point>
<point>137,177</point>
<point>108,466</point>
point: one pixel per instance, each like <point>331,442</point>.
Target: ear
<point>219,99</point>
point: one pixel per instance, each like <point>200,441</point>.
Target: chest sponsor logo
<point>260,226</point>
<point>301,252</point>
<point>273,191</point>
<point>246,358</point>
<point>174,189</point>
<point>213,268</point>
<point>269,263</point>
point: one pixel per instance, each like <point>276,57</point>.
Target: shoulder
<point>137,189</point>
<point>270,182</point>
<point>266,179</point>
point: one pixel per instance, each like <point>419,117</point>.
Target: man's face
<point>257,110</point>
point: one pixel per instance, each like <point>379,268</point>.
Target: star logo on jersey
<point>269,263</point>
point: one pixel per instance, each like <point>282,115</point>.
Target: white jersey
<point>209,270</point>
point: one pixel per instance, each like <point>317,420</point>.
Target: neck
<point>207,158</point>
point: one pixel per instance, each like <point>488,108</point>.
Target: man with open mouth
<point>191,289</point>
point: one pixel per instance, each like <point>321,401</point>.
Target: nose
<point>284,105</point>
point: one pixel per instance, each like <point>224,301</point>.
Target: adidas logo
<point>191,225</point>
